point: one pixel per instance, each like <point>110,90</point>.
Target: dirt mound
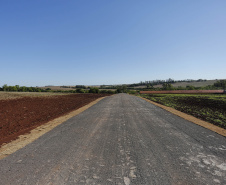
<point>19,116</point>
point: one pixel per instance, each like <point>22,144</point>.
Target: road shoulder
<point>190,118</point>
<point>34,134</point>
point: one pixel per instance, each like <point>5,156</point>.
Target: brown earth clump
<point>19,116</point>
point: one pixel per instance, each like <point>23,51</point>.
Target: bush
<point>79,90</point>
<point>111,92</point>
<point>104,91</point>
<point>221,83</point>
<point>132,92</point>
<point>94,90</point>
<point>80,87</point>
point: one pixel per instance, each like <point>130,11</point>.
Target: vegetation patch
<point>210,108</point>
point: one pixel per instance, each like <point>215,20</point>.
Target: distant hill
<point>195,84</point>
<point>55,88</point>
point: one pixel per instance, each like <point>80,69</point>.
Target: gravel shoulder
<point>34,134</point>
<point>122,139</point>
<point>190,118</point>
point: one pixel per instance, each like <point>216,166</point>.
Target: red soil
<point>19,116</point>
<point>184,92</point>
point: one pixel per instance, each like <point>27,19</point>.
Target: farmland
<point>208,107</point>
<point>15,95</point>
<point>195,84</point>
<point>22,112</point>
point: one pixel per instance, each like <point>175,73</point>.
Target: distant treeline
<point>160,82</point>
<point>219,85</point>
<point>75,87</point>
<point>166,85</point>
<point>18,88</point>
<point>150,83</point>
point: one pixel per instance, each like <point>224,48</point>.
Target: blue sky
<point>95,42</point>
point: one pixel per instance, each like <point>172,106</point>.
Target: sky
<point>100,42</point>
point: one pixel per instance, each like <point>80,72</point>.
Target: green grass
<point>208,107</point>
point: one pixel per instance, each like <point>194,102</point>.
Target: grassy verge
<point>210,108</point>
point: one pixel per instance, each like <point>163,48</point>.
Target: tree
<point>122,89</point>
<point>150,86</point>
<point>93,90</point>
<point>5,87</point>
<point>167,86</point>
<point>221,83</point>
<point>190,87</point>
<point>80,86</point>
<point>23,89</point>
<point>79,90</point>
<point>12,88</point>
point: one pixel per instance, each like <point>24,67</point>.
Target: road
<point>120,140</point>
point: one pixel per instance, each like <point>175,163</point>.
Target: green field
<point>210,108</point>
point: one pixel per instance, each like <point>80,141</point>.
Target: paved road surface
<point>121,140</point>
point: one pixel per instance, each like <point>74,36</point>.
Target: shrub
<point>94,90</point>
<point>79,90</point>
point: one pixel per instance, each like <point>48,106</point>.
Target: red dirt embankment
<point>19,116</point>
<point>184,92</point>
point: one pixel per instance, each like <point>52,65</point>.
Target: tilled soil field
<point>19,116</point>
